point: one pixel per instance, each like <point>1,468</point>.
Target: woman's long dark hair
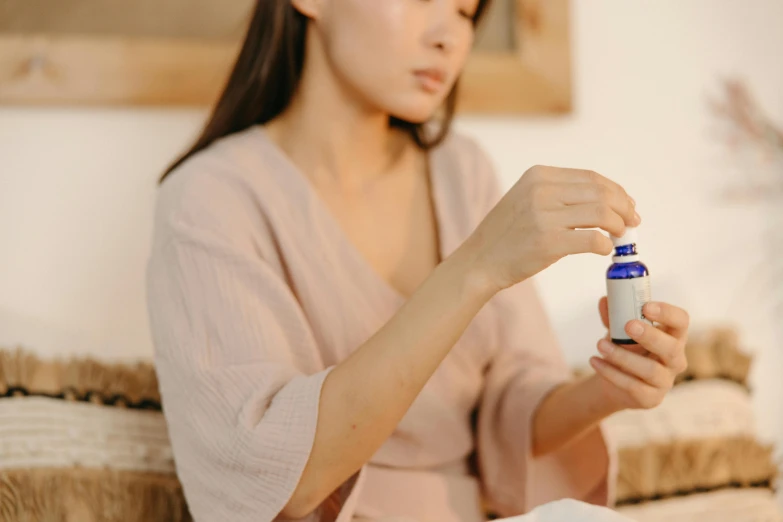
<point>267,72</point>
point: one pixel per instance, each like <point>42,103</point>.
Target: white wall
<point>77,187</point>
<point>643,74</point>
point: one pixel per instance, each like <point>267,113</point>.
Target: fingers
<point>591,215</point>
<point>642,393</point>
<point>603,310</point>
<point>602,188</point>
<point>602,198</point>
<point>565,175</point>
<point>643,368</point>
<point>576,187</point>
<point>675,319</point>
<point>668,349</point>
<point>582,242</point>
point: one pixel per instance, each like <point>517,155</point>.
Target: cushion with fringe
<point>701,437</point>
<point>46,432</point>
<point>716,353</point>
<point>84,441</point>
<point>133,385</point>
<point>90,495</point>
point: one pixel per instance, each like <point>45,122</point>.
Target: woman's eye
<point>464,13</point>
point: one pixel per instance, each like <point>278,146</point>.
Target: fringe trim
<point>659,470</point>
<point>85,379</point>
<point>698,491</point>
<point>90,495</point>
<point>716,353</point>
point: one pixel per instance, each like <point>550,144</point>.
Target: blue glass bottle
<point>627,286</point>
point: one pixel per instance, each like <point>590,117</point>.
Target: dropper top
<point>631,236</point>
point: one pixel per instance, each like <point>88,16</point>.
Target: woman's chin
<point>415,113</point>
<point>413,105</point>
<point>411,119</point>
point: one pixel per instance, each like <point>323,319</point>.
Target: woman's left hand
<point>639,376</point>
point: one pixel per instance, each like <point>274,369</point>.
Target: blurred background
<point>648,106</point>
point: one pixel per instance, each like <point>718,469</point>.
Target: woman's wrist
<point>567,412</point>
<point>591,390</point>
<point>463,266</point>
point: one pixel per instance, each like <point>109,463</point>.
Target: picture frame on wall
<point>179,53</point>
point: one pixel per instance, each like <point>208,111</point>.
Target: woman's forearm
<point>567,413</point>
<point>364,397</point>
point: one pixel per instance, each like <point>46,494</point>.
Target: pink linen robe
<point>255,294</point>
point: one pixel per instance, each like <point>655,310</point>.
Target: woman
<point>336,288</point>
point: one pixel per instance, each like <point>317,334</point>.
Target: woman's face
<point>400,56</point>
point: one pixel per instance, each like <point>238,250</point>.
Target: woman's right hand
<point>535,224</point>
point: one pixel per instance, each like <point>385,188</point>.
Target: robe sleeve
<point>240,377</point>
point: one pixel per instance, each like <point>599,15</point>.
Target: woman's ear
<point>309,8</point>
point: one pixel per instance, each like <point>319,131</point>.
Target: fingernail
<point>636,328</point>
<point>652,309</point>
<point>605,347</point>
<point>633,201</point>
<point>638,217</point>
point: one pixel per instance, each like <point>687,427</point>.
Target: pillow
<point>701,437</point>
<point>22,373</point>
<point>84,441</point>
<point>715,353</point>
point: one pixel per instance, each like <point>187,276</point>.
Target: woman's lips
<point>431,80</point>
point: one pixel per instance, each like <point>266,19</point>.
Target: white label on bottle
<point>626,299</point>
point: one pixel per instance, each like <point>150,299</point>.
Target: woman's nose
<point>445,42</point>
<point>442,32</point>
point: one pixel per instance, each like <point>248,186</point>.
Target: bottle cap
<point>628,238</point>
